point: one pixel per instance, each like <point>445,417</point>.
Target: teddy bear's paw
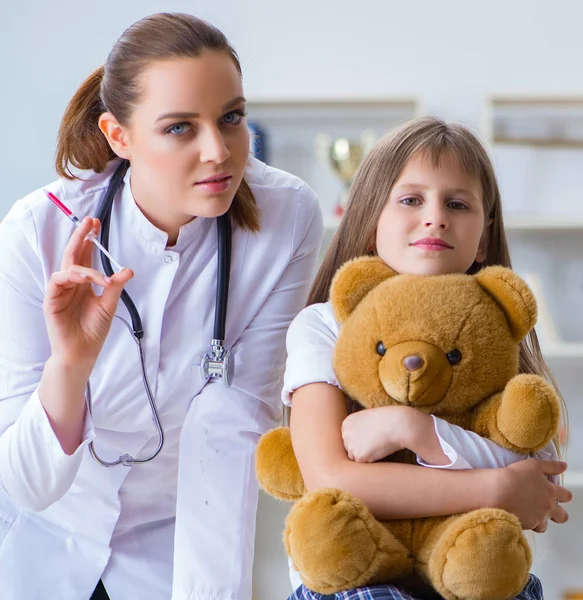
<point>276,466</point>
<point>529,412</point>
<point>336,544</point>
<point>482,555</point>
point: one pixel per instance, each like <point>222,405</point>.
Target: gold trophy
<point>344,156</point>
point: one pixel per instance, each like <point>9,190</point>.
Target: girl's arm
<point>394,490</point>
<point>372,434</point>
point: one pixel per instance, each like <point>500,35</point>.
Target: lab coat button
<point>168,258</point>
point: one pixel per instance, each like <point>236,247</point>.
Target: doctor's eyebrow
<point>194,115</point>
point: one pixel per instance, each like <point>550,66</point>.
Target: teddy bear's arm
<point>524,417</point>
<point>276,466</point>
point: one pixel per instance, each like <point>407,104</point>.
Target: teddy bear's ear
<point>513,295</point>
<point>354,280</point>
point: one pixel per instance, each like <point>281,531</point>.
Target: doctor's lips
<point>216,183</point>
<point>432,244</point>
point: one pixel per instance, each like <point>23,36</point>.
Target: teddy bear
<point>447,345</point>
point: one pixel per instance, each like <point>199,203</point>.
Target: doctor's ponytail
<point>80,142</point>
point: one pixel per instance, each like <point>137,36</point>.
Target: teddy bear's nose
<point>413,362</point>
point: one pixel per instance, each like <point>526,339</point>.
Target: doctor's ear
<point>115,135</point>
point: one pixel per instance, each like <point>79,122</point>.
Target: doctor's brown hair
<point>442,143</point>
<point>113,88</point>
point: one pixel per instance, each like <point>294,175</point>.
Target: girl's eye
<point>234,117</point>
<point>456,205</point>
<point>410,201</point>
<point>178,129</point>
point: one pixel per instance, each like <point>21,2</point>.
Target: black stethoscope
<point>216,364</point>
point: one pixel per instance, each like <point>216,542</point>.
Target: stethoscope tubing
<point>224,235</point>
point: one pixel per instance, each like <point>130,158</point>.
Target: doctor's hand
<point>78,320</point>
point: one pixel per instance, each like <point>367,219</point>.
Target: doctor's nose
<point>213,147</point>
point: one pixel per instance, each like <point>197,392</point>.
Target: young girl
<point>426,201</point>
<point>160,132</point>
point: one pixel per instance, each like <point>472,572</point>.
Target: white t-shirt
<point>310,345</point>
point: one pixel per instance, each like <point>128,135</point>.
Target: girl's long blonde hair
<point>370,189</point>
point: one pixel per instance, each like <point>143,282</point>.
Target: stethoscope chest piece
<point>218,365</point>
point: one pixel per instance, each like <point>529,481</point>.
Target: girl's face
<point>187,139</point>
<point>433,221</point>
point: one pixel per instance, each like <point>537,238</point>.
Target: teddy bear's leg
<point>481,555</point>
<point>336,544</point>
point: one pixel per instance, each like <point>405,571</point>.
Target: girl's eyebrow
<point>418,186</point>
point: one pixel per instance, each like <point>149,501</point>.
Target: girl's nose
<point>436,223</point>
<point>436,218</point>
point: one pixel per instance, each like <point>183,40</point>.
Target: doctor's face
<point>187,139</point>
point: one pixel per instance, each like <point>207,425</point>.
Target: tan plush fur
<point>332,538</point>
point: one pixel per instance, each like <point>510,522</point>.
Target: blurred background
<point>324,80</point>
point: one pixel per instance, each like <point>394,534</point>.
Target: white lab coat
<point>65,521</point>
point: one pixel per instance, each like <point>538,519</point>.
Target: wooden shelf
<point>543,222</point>
<point>543,122</point>
<point>316,108</point>
<point>534,142</point>
<point>566,350</point>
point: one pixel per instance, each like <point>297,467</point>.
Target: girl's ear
<point>514,297</point>
<point>354,280</point>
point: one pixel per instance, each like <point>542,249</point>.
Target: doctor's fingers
<point>112,292</point>
<point>73,277</point>
<point>88,248</point>
<point>78,250</point>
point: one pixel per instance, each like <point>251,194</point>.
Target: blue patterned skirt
<point>532,591</point>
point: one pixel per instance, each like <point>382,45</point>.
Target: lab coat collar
<point>147,232</point>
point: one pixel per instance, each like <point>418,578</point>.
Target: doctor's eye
<point>454,357</point>
<point>381,350</point>
<point>178,129</point>
<point>235,117</point>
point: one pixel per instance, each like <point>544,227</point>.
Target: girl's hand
<point>524,489</point>
<point>374,433</point>
<point>78,320</point>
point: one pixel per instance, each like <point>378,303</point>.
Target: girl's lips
<point>432,244</point>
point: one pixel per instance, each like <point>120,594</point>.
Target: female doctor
<point>176,522</point>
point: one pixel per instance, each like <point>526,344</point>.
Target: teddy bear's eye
<point>454,357</point>
<point>381,349</point>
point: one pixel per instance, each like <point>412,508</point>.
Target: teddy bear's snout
<point>415,373</point>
